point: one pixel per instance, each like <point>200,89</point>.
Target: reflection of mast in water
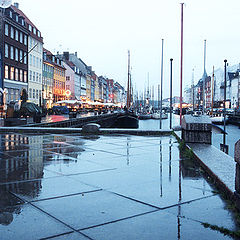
<point>179,197</point>
<point>170,160</point>
<point>128,150</point>
<point>161,185</point>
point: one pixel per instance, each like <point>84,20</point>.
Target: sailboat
<point>128,119</point>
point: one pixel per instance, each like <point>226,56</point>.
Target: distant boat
<point>157,115</point>
<point>127,120</point>
<point>144,116</point>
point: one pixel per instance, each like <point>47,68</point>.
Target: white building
<point>35,61</point>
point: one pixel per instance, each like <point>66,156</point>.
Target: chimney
<point>66,56</point>
<point>76,54</point>
<point>16,5</point>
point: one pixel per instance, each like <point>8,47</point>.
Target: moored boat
<point>157,115</point>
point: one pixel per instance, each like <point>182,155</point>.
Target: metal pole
<point>171,60</point>
<point>161,87</point>
<point>212,90</point>
<point>204,77</point>
<point>181,66</point>
<point>128,86</point>
<point>224,103</point>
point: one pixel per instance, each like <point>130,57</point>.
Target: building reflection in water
<point>23,161</point>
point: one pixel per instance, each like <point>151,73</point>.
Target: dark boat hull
<point>127,121</point>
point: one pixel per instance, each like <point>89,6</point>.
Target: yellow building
<point>88,87</point>
<point>59,80</point>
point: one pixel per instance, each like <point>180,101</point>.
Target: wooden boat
<point>144,116</point>
<point>127,120</point>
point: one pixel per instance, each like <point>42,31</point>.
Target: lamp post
<point>223,146</point>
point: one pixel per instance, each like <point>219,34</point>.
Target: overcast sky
<point>102,31</point>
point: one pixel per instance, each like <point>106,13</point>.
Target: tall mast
<point>161,87</point>
<point>204,76</point>
<point>181,65</point>
<point>128,84</point>
<point>193,88</point>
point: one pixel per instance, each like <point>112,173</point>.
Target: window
<point>33,93</point>
<point>39,34</point>
<point>10,14</point>
<point>40,60</point>
<point>25,58</point>
<point>21,75</point>
<point>6,72</point>
<point>40,77</point>
<point>16,54</point>
<point>22,22</point>
<point>67,87</point>
<point>16,18</point>
<point>34,31</point>
<point>30,75</point>
<point>30,28</point>
<point>6,50</point>
<point>67,78</point>
<point>12,33</point>
<point>6,29</point>
<point>25,40</point>
<point>30,93</point>
<point>30,59</point>
<point>12,73</point>
<point>36,94</point>
<point>25,76</point>
<point>34,61</point>
<point>16,35</point>
<point>21,37</point>
<point>34,76</point>
<point>11,52</point>
<point>16,74</point>
<point>21,56</point>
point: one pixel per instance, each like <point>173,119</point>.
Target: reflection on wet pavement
<point>104,187</point>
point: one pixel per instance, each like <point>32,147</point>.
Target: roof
<point>27,20</point>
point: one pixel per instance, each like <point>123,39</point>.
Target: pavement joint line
<point>68,195</point>
<point>60,175</point>
<point>135,200</point>
<point>118,220</point>
<point>187,202</point>
<point>160,208</point>
<point>63,234</point>
<point>48,214</point>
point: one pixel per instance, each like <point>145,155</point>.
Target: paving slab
<point>91,209</point>
<point>28,223</point>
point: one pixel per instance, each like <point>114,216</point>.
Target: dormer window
<point>22,22</point>
<point>30,28</point>
<point>39,34</point>
<point>34,31</point>
<point>16,18</point>
<point>10,14</point>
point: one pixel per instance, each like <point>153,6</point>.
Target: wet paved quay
<point>104,187</point>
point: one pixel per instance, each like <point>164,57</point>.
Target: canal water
<point>233,132</point>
